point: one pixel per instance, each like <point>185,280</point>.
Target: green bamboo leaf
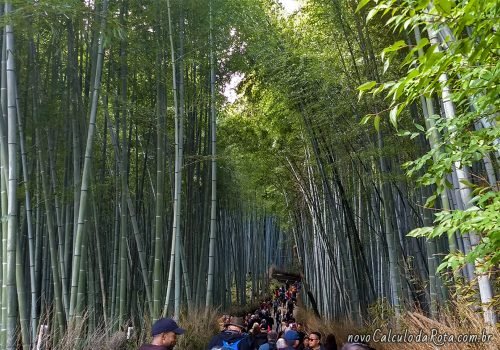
<point>421,43</point>
<point>419,127</point>
<point>407,23</point>
<point>467,183</point>
<point>403,133</point>
<point>444,6</point>
<point>386,65</point>
<point>421,232</point>
<point>472,209</point>
<point>442,266</point>
<point>422,4</point>
<point>396,46</point>
<point>398,90</point>
<point>371,13</point>
<point>365,119</point>
<point>362,4</point>
<point>376,122</point>
<point>367,86</point>
<point>393,115</point>
<point>429,203</point>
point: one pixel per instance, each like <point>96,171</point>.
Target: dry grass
<point>77,336</point>
<point>200,327</point>
<point>455,323</point>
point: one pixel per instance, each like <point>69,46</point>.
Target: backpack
<point>230,346</point>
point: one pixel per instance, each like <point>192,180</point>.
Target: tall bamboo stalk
<point>213,205</point>
<point>86,168</point>
<point>60,315</point>
<point>461,172</point>
<point>160,187</point>
<point>12,225</point>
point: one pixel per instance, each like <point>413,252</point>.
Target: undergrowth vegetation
<point>458,327</point>
<point>446,332</point>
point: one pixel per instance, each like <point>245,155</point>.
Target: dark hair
<point>356,346</point>
<point>330,342</point>
<point>316,333</point>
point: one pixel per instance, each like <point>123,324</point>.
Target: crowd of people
<point>236,336</point>
<point>270,327</point>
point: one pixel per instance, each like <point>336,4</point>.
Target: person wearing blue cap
<point>292,339</point>
<point>164,332</point>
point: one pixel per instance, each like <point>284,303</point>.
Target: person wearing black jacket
<point>232,334</point>
<point>261,337</point>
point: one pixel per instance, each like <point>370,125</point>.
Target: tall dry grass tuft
<point>459,328</point>
<point>460,321</point>
<point>78,336</point>
<point>200,327</point>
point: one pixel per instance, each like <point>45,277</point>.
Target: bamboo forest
<point>174,158</point>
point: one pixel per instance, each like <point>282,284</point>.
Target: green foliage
<point>255,140</point>
<point>482,218</point>
<point>467,63</point>
<point>380,315</point>
<point>298,72</point>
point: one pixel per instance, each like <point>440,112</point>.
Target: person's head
<point>314,339</point>
<point>293,326</point>
<point>281,344</point>
<point>235,324</point>
<point>292,338</point>
<point>165,331</point>
<point>356,346</point>
<point>330,342</point>
<point>300,327</point>
<point>272,337</point>
<point>306,341</point>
